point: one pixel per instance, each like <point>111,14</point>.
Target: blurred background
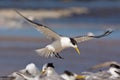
<point>18,39</point>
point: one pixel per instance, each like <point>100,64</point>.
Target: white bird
<point>47,73</point>
<point>67,75</point>
<point>30,70</point>
<point>60,42</point>
<point>114,69</point>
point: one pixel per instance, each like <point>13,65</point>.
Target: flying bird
<point>60,42</point>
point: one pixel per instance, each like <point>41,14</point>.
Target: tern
<point>30,70</point>
<point>60,42</point>
<point>114,69</point>
<point>103,65</point>
<point>47,73</point>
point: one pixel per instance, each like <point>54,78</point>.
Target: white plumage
<point>47,73</point>
<point>114,69</point>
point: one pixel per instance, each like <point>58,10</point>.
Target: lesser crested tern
<point>30,70</point>
<point>48,70</point>
<point>60,42</point>
<point>47,73</point>
<point>114,69</point>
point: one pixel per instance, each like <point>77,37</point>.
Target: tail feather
<point>44,52</point>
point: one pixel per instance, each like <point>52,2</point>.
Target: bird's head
<point>31,69</point>
<point>47,69</point>
<point>115,66</point>
<point>114,70</point>
<point>67,75</point>
<point>74,45</point>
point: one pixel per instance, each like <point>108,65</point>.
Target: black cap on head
<point>50,65</point>
<point>68,73</point>
<point>115,66</point>
<point>73,41</point>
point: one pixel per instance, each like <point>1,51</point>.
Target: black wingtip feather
<point>27,18</point>
<point>109,31</point>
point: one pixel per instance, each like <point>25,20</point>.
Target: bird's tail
<point>44,52</point>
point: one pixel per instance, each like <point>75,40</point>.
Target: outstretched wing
<point>102,65</point>
<point>44,29</point>
<point>89,37</point>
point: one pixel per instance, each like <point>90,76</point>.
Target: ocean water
<point>17,45</point>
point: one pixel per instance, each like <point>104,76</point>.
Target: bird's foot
<point>58,56</point>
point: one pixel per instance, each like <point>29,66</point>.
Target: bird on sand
<point>60,42</point>
<point>48,73</point>
<point>114,69</point>
<point>30,70</point>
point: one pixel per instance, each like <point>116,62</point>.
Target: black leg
<point>55,55</point>
<point>59,56</point>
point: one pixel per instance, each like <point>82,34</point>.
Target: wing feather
<point>89,37</point>
<point>102,65</point>
<point>44,29</point>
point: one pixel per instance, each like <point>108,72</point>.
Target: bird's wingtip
<point>109,30</point>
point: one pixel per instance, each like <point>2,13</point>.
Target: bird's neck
<point>114,72</point>
<point>51,72</point>
<point>65,42</point>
